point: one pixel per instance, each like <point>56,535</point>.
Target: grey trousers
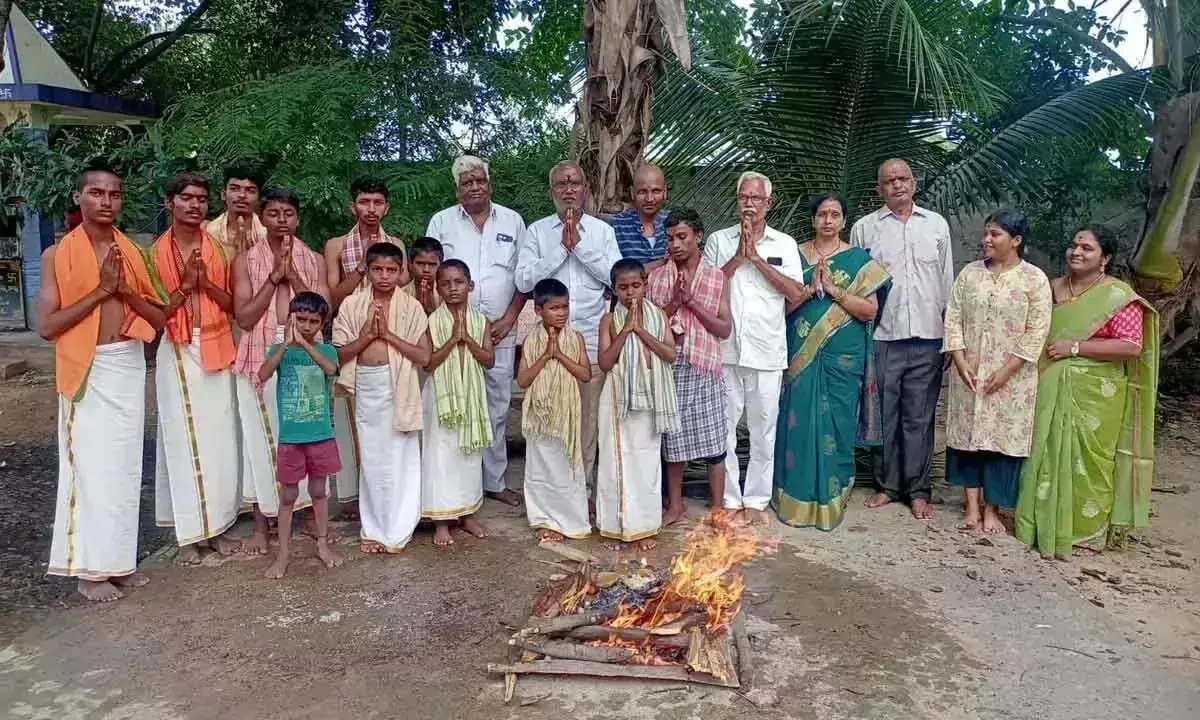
<point>910,379</point>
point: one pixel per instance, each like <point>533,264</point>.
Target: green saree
<point>1088,479</point>
<point>828,353</point>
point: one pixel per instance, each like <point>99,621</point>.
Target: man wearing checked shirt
<point>486,237</point>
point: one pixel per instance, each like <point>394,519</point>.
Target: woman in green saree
<point>1088,479</point>
<point>830,353</point>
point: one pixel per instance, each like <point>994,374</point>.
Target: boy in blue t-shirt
<point>307,448</point>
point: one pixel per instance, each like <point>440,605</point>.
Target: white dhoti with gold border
<point>629,473</point>
<point>389,501</point>
<point>555,489</point>
<point>451,482</point>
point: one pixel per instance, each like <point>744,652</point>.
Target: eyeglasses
<point>566,184</point>
<point>755,199</point>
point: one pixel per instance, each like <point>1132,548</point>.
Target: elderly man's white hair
<point>563,165</point>
<point>466,163</point>
<point>751,175</point>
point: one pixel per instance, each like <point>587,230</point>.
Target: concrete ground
<point>887,617</point>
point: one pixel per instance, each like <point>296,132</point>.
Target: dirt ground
<point>885,618</point>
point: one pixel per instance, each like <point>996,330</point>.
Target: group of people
<point>652,341</point>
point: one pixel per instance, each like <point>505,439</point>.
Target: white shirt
<point>585,270</point>
<point>918,257</point>
<point>490,254</point>
<point>759,337</point>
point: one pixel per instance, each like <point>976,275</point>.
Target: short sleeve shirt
<point>303,395</point>
<point>634,245</point>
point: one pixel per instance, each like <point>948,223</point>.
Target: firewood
<point>600,632</point>
<point>712,655</point>
<point>672,673</point>
<point>741,643</point>
<point>569,552</point>
<point>564,623</point>
<point>575,651</point>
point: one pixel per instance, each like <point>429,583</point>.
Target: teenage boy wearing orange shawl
<point>98,305</point>
<point>197,486</point>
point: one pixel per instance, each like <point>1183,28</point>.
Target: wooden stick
<point>577,651</point>
<point>600,632</point>
<point>741,644</point>
<point>563,623</point>
<point>672,673</point>
<point>569,552</point>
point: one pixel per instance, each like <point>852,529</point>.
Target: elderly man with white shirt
<point>764,271</point>
<point>487,237</point>
<point>913,245</point>
<point>579,250</point>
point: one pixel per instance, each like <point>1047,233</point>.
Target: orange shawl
<point>216,334</point>
<point>77,273</point>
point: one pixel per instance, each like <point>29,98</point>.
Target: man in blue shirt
<point>641,231</point>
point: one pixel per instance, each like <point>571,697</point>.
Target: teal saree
<point>829,355</point>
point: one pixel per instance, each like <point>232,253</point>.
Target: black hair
<point>181,181</point>
<point>245,169</point>
<point>368,184</point>
<point>685,216</point>
<point>280,195</point>
<point>309,301</point>
<point>95,166</point>
<point>815,201</point>
<point>549,289</point>
<point>386,250</point>
<point>455,263</point>
<point>427,244</point>
<point>1105,238</point>
<point>625,265</point>
<point>1013,223</point>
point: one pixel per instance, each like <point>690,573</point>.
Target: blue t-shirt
<point>303,395</point>
<point>627,226</point>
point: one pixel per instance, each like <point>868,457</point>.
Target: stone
<point>1179,564</point>
<point>973,573</point>
<point>1095,572</point>
<point>986,542</point>
<point>12,368</point>
<point>1115,578</point>
<point>1096,601</point>
<point>1173,552</point>
<point>936,588</point>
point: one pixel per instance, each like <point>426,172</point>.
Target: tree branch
<point>93,33</point>
<point>114,62</point>
<point>1098,46</point>
<point>185,27</point>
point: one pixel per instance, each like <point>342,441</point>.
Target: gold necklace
<point>1071,287</point>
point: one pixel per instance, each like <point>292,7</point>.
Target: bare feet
<point>971,520</point>
<point>256,545</point>
<point>350,510</point>
<point>471,526</point>
<point>329,557</point>
<point>132,580</point>
<point>102,591</point>
<point>441,534</point>
<point>371,547</point>
<point>756,517</point>
<point>188,555</point>
<point>309,528</point>
<point>646,544</point>
<point>225,545</point>
<point>543,535</point>
<point>991,520</point>
<point>674,514</point>
<point>878,500</point>
<point>278,568</point>
<point>921,509</point>
<point>506,496</point>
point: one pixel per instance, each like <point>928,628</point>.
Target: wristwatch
<point>1075,349</point>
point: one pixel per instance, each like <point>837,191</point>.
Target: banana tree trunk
<point>1166,267</point>
<point>624,40</point>
<point>5,10</point>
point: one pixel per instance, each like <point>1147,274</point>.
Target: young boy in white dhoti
<point>457,425</point>
<point>382,340</point>
<point>197,488</point>
<point>554,362</point>
<point>637,406</point>
<point>98,306</point>
<point>304,399</point>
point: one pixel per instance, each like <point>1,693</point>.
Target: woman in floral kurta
<point>997,320</point>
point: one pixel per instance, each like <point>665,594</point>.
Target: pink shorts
<point>314,460</point>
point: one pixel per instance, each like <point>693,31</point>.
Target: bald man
<point>913,245</point>
<point>641,231</point>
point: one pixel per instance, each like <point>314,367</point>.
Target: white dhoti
<point>451,482</point>
<point>100,439</point>
<point>346,481</point>
<point>629,471</point>
<point>259,424</point>
<point>389,502</point>
<point>555,489</point>
<point>197,469</point>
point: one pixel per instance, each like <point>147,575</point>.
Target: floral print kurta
<point>991,316</point>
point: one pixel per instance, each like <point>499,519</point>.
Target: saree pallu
<point>823,398</point>
<point>1088,478</point>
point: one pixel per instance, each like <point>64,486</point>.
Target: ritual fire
<point>636,621</point>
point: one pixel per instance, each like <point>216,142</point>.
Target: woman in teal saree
<point>1088,479</point>
<point>830,358</point>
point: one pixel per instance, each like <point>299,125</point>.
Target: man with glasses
<point>579,250</point>
<point>764,271</point>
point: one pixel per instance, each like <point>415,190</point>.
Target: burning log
<point>576,651</point>
<point>673,673</point>
<point>712,655</point>
<point>589,633</point>
<point>564,623</point>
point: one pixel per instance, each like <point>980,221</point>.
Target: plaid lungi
<point>701,403</point>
